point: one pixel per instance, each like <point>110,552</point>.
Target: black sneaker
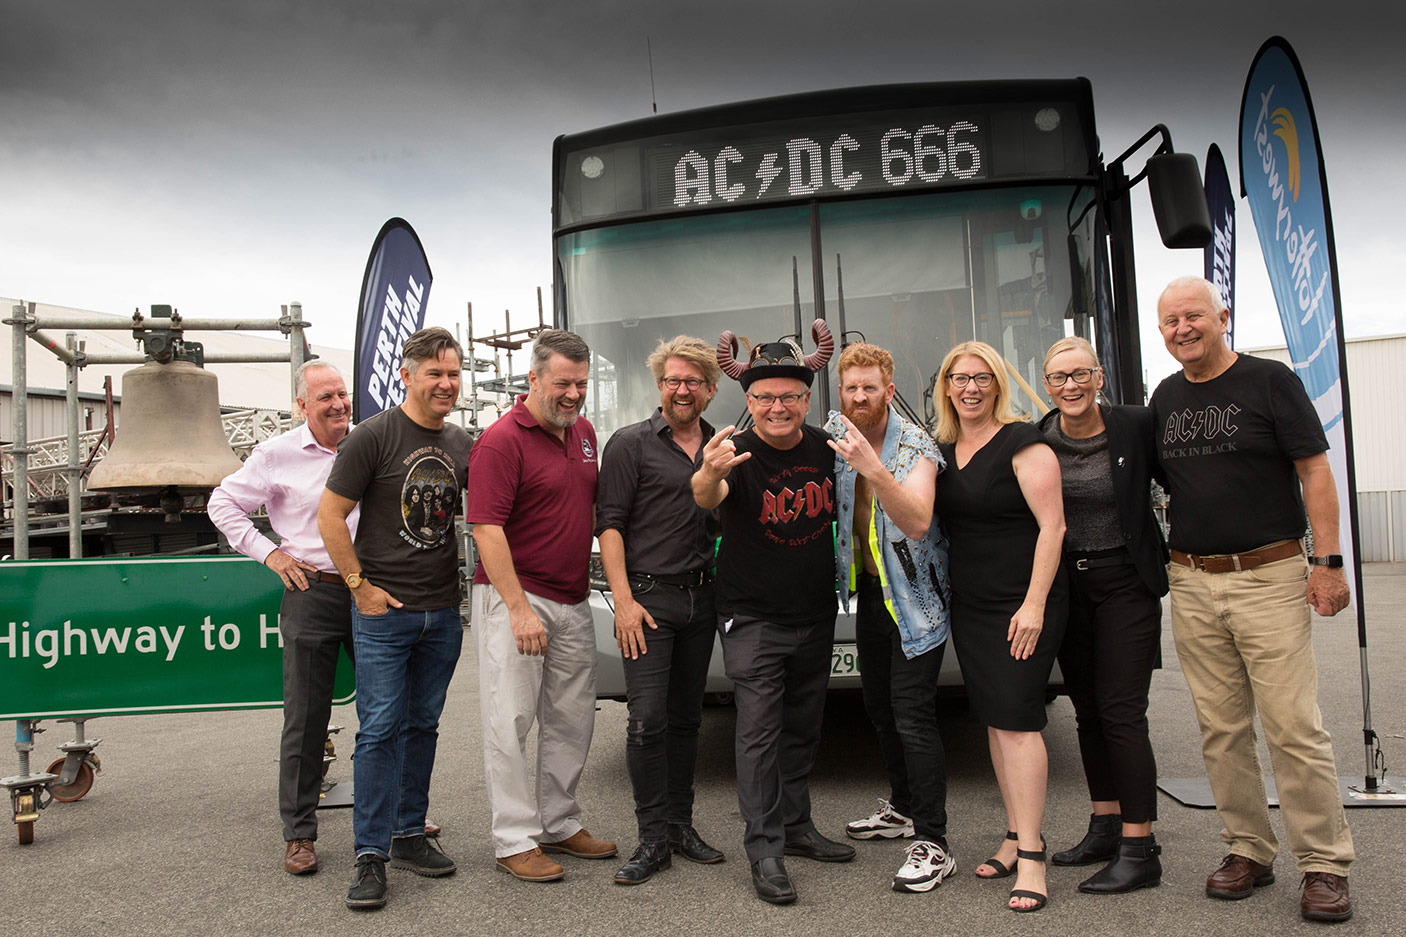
<point>420,855</point>
<point>368,887</point>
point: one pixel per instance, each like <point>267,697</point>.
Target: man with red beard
<point>892,557</point>
<point>656,545</point>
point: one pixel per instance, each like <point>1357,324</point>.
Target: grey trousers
<point>780,674</point>
<point>314,625</point>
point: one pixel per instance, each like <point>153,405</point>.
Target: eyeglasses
<point>1080,376</point>
<point>766,400</point>
<point>958,379</point>
<point>692,383</point>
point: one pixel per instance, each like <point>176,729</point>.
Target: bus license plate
<point>844,661</point>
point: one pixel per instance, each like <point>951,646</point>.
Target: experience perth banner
<point>1282,176</point>
<point>1220,253</point>
<point>394,293</point>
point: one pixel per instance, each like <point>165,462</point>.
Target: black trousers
<point>780,674</point>
<point>900,696</point>
<point>665,697</point>
<point>314,625</point>
<point>1111,646</point>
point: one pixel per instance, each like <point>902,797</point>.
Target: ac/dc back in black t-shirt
<point>1227,447</point>
<point>777,559</point>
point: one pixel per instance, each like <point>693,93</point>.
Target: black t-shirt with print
<point>409,480</point>
<point>777,559</point>
<point>1227,447</point>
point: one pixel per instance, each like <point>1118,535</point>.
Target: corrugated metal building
<point>1377,376</point>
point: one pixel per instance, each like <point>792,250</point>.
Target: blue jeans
<point>404,661</point>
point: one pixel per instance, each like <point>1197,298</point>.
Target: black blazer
<point>1132,456</point>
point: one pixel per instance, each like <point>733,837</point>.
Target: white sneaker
<point>884,822</point>
<point>927,865</point>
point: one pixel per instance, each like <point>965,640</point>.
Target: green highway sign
<point>108,636</point>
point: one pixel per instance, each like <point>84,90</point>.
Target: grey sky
<point>227,158</point>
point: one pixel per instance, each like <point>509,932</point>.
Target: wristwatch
<point>1332,561</point>
<point>354,579</point>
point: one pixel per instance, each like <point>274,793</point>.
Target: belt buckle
<point>1081,564</point>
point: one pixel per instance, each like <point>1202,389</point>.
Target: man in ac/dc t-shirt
<point>774,488</point>
<point>1237,439</point>
<point>403,573</point>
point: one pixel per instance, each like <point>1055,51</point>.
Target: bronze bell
<point>171,434</point>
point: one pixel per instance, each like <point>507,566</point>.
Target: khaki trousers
<point>1245,642</point>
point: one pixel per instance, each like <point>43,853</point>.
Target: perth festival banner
<point>394,293</point>
<point>1282,176</point>
<point>1220,253</point>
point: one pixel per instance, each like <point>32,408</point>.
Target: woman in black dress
<point>1000,503</point>
<point>1117,566</point>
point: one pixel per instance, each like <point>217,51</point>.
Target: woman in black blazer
<point>1116,560</point>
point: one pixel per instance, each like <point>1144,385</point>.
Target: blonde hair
<point>1071,343</point>
<point>694,351</point>
<point>865,355</point>
<point>948,425</point>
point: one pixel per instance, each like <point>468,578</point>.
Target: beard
<point>683,417</point>
<point>865,419</point>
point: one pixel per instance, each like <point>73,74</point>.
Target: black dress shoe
<point>1137,866</point>
<point>648,859</point>
<point>1099,844</point>
<point>684,840</point>
<point>772,883</point>
<point>814,846</point>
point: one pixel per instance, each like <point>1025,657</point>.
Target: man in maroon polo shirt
<point>531,504</point>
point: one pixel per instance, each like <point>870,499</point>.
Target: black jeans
<point>1111,646</point>
<point>665,693</point>
<point>900,696</point>
<point>780,674</point>
<point>314,625</point>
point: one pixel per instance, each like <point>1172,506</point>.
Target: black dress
<point>993,536</point>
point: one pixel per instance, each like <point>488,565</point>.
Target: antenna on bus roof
<point>653,100</point>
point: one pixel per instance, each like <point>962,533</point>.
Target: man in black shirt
<point>1237,438</point>
<point>774,488</point>
<point>656,545</point>
<point>403,573</point>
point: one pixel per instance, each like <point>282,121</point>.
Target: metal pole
<point>109,324</point>
<point>75,472</point>
<point>19,448</point>
<point>296,343</point>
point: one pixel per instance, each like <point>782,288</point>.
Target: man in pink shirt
<point>287,474</point>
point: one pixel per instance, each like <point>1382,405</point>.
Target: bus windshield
<point>915,274</point>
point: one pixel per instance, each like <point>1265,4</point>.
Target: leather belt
<point>1239,562</point>
<point>689,580</point>
<point>1083,563</point>
<point>320,576</point>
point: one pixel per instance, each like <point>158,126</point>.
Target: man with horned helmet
<point>774,489</point>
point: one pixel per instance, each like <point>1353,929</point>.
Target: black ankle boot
<point>1137,866</point>
<point>1099,844</point>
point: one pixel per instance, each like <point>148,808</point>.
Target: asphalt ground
<point>181,833</point>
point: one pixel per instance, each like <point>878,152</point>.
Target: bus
<point>912,216</point>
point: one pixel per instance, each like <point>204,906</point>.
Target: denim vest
<point>917,589</point>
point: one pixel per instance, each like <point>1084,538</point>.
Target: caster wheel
<point>68,793</point>
<point>26,830</point>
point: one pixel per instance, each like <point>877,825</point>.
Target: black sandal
<point>1041,899</point>
<point>999,866</point>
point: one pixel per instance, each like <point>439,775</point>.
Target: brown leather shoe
<point>300,858</point>
<point>1237,878</point>
<point>531,866</point>
<point>582,845</point>
<point>1325,897</point>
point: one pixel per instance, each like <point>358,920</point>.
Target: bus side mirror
<point>1179,200</point>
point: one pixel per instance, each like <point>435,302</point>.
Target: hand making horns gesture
<point>720,454</point>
